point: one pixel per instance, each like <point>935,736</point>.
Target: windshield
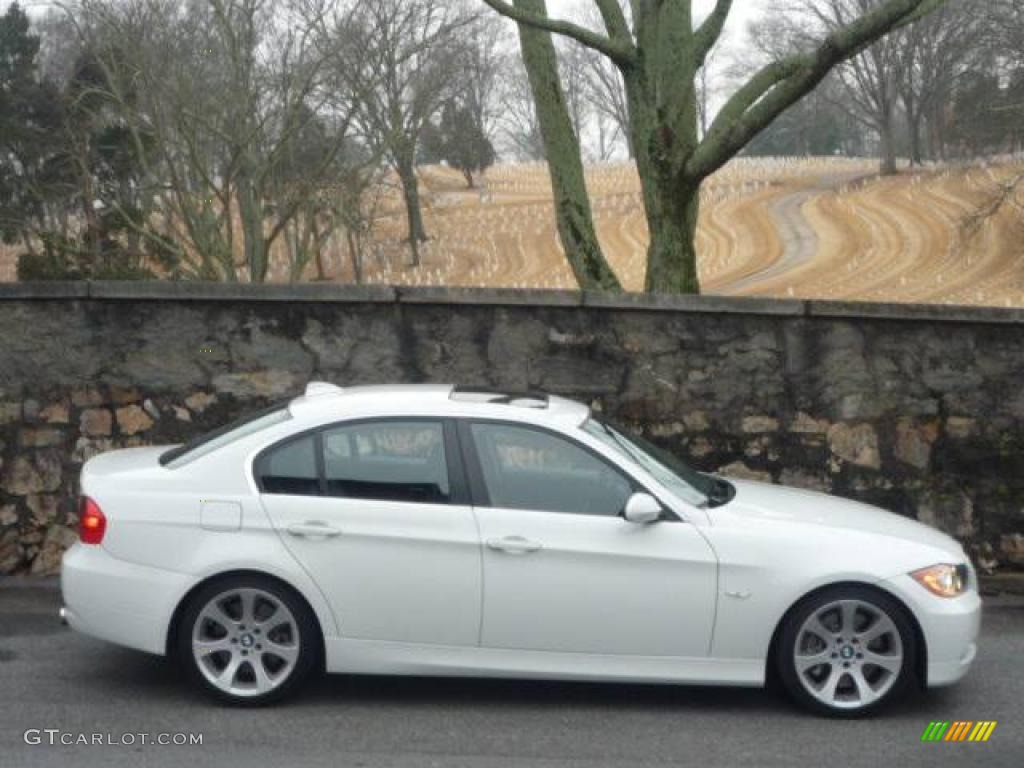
<point>686,482</point>
<point>220,437</point>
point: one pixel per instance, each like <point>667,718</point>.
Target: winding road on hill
<point>799,240</point>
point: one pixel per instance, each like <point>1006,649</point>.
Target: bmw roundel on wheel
<point>438,530</point>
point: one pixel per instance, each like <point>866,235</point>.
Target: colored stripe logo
<point>959,730</point>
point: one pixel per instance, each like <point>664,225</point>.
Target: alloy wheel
<point>848,654</point>
<point>245,642</point>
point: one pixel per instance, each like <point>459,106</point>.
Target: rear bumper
<point>117,601</point>
<point>950,628</point>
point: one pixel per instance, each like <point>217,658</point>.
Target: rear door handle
<point>514,545</point>
<point>313,529</point>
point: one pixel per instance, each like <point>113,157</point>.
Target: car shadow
<point>532,694</point>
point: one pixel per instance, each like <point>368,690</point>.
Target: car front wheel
<point>847,651</point>
<point>248,640</point>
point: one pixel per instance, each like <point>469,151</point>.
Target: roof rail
<point>500,396</point>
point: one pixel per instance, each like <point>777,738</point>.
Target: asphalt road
<point>52,678</point>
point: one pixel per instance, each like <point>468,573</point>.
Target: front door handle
<point>313,529</point>
<point>514,545</point>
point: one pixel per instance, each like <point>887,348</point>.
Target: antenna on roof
<point>317,388</point>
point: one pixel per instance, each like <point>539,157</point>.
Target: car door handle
<point>514,545</point>
<point>313,529</point>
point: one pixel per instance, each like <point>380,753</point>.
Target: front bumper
<point>118,601</point>
<point>950,628</point>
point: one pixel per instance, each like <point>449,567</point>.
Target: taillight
<point>92,523</point>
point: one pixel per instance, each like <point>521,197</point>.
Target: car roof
<point>323,401</point>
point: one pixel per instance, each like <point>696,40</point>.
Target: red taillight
<point>92,523</point>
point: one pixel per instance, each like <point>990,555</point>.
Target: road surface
<point>51,678</point>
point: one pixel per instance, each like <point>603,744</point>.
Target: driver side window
<point>526,468</point>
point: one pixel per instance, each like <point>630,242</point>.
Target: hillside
<point>818,228</point>
<point>809,228</point>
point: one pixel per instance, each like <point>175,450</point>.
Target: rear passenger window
<point>387,461</point>
<point>291,469</point>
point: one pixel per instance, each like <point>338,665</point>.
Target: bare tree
<point>572,70</point>
<point>401,59</point>
<point>869,83</point>
<point>485,40</point>
<point>660,53</point>
<point>937,53</point>
<point>607,94</point>
<point>216,95</point>
<point>517,122</point>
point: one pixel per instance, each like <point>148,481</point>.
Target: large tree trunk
<point>672,254</point>
<point>915,112</point>
<point>565,164</point>
<point>355,253</point>
<point>916,153</point>
<point>405,165</point>
<point>887,135</point>
<point>250,211</point>
<point>671,198</point>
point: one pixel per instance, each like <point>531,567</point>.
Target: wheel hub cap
<point>848,654</point>
<point>245,642</point>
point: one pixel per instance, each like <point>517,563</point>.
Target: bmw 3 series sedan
<point>438,530</point>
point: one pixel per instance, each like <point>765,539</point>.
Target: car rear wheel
<point>248,640</point>
<point>847,652</point>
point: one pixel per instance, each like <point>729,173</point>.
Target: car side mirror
<point>642,508</point>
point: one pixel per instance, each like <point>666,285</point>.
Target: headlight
<point>944,580</point>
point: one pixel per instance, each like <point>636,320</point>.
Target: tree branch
<point>711,30</point>
<point>614,19</point>
<point>780,84</point>
<point>621,52</point>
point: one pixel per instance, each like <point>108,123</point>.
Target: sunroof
<point>500,397</point>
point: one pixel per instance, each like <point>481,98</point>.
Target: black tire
<point>786,647</point>
<point>309,641</point>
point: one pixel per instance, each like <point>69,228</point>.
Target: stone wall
<point>917,409</point>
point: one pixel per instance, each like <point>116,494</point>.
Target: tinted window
<point>686,482</point>
<point>291,468</point>
<point>388,461</point>
<point>529,469</point>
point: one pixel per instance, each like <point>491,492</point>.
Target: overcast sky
<point>742,11</point>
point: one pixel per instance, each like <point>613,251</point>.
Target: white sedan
<point>438,530</point>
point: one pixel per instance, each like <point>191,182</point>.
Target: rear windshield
<point>222,436</point>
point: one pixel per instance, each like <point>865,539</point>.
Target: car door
<point>377,512</point>
<point>563,570</point>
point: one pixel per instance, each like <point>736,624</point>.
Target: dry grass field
<point>809,228</point>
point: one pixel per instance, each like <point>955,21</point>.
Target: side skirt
<point>370,657</point>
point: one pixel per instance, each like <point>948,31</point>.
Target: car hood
<point>776,502</point>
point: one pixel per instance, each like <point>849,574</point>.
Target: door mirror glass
<point>642,508</point>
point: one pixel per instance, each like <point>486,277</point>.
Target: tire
<point>829,669</point>
<point>248,640</point>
